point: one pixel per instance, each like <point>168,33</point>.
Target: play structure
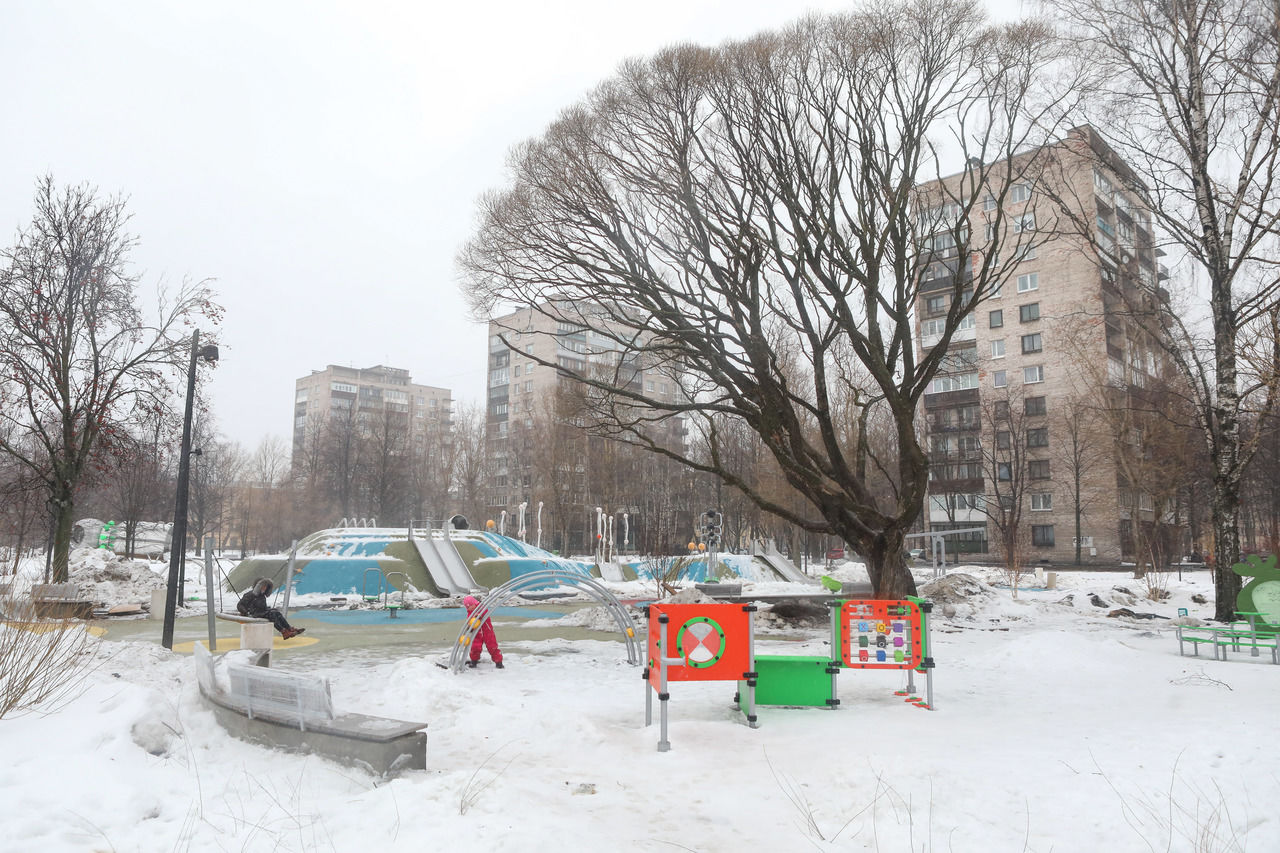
<point>537,580</point>
<point>442,562</point>
<point>1256,628</point>
<point>716,642</point>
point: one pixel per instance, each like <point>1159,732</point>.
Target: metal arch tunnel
<point>498,596</point>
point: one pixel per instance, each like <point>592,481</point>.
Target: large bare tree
<point>749,217</point>
<point>1187,92</point>
<point>79,359</point>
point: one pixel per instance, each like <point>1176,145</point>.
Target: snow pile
<point>959,595</point>
<point>109,579</point>
<point>590,618</point>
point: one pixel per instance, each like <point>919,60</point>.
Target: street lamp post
<point>179,539</point>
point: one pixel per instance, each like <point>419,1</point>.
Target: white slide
<point>611,572</point>
<point>436,565</point>
<point>454,564</point>
<point>780,564</point>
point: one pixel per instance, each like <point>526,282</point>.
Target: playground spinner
<point>716,642</point>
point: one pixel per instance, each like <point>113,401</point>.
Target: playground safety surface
<point>371,630</point>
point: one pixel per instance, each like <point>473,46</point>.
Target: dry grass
<point>43,662</point>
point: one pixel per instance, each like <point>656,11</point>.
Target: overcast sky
<point>319,160</point>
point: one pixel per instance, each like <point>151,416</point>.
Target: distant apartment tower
<point>1053,338</point>
<point>344,393</point>
<point>523,395</point>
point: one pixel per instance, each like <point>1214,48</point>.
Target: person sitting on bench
<point>254,603</point>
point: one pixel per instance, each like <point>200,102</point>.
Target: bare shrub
<point>43,662</point>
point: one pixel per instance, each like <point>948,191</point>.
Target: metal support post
<point>208,591</point>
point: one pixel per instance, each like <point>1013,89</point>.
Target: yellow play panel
<point>45,627</point>
<point>231,644</point>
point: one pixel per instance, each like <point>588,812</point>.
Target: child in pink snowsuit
<point>485,635</point>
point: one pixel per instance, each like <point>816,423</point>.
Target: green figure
<point>107,538</point>
<point>1262,594</point>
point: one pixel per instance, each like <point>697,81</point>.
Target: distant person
<point>254,603</point>
<point>485,635</point>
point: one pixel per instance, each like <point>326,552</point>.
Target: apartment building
<point>537,449</point>
<point>352,394</point>
<point>1052,341</point>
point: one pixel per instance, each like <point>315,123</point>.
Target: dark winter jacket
<point>253,604</point>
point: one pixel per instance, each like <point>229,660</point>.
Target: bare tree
<point>77,356</point>
<point>473,461</point>
<point>1188,94</point>
<point>1078,451</point>
<point>1017,435</point>
<point>746,217</point>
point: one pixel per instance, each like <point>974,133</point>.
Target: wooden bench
<point>60,601</point>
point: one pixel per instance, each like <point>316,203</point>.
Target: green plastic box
<point>792,680</point>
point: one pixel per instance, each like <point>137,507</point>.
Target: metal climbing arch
<point>499,595</point>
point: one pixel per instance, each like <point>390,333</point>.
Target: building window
<point>1031,343</point>
<point>989,202</point>
<point>1038,437</point>
<point>1002,410</point>
<point>1038,469</point>
<point>1041,502</point>
<point>1019,193</point>
<point>1025,222</point>
<point>935,304</point>
<point>1004,471</point>
<point>997,348</point>
<point>1033,406</point>
<point>995,319</point>
<point>1003,440</point>
<point>999,378</point>
<point>1028,281</point>
<point>1033,374</point>
<point>958,382</point>
<point>1027,313</point>
<point>1042,535</point>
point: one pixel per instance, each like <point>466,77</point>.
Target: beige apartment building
<point>1050,342</point>
<point>366,393</point>
<point>535,445</point>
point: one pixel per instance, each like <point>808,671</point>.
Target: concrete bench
<point>294,711</point>
<point>60,601</point>
<point>256,633</point>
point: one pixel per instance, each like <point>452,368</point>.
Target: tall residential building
<point>537,450</point>
<point>1055,339</point>
<point>362,395</point>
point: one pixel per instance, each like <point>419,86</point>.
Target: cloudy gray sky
<point>320,160</point>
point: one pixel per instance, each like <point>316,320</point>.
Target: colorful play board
<point>881,634</point>
<point>712,641</point>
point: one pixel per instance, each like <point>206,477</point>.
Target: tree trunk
<point>1226,548</point>
<point>62,540</point>
<point>887,566</point>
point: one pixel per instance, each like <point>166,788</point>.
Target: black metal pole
<point>179,540</point>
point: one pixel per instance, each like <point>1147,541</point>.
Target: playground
<point>1055,727</point>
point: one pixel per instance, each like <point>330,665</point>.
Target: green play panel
<point>793,680</point>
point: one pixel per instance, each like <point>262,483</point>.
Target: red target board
<point>712,641</point>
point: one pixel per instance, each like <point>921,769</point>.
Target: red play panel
<point>711,639</point>
<point>881,634</point>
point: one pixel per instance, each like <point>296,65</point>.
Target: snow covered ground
<point>1057,728</point>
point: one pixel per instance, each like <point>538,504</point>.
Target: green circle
<point>715,626</point>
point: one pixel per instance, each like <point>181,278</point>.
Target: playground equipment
<point>716,642</point>
<point>534,580</point>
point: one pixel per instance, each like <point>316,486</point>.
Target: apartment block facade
<point>1051,342</point>
<point>349,394</point>
<point>537,448</point>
